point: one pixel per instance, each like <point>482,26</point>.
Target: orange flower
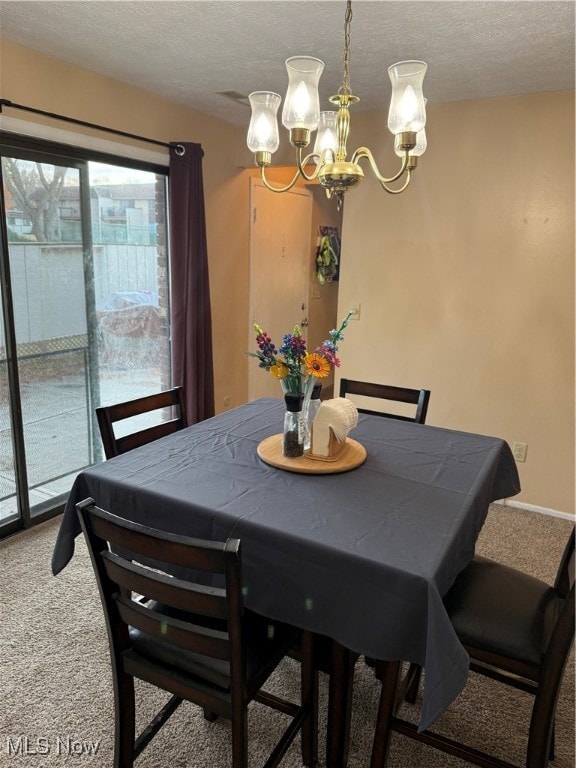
<point>279,371</point>
<point>316,365</point>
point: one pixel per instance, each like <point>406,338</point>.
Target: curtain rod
<point>12,105</point>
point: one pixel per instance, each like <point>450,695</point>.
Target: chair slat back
<point>183,634</point>
<point>153,544</point>
<point>203,619</point>
<point>111,414</point>
<point>417,397</point>
<point>169,590</point>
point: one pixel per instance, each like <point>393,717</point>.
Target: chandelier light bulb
<point>302,103</point>
<point>407,107</point>
<point>421,143</point>
<point>263,130</point>
<point>327,135</point>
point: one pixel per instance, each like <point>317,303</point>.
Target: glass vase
<point>293,437</point>
<point>301,385</point>
<point>293,384</point>
<point>307,389</point>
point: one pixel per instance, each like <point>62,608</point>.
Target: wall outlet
<point>356,309</point>
<point>226,401</point>
<point>519,451</point>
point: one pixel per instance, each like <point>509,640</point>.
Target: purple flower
<point>329,351</point>
<point>293,346</point>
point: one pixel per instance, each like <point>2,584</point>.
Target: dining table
<point>362,556</point>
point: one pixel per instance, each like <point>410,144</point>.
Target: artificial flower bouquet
<point>291,363</point>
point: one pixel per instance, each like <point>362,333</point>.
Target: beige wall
<point>466,280</point>
<point>31,79</point>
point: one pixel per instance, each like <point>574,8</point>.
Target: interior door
<point>280,253</point>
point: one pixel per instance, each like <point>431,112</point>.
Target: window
<point>85,312</point>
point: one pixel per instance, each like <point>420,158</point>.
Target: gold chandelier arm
<point>362,152</point>
<point>302,163</point>
<point>400,189</point>
<point>277,189</point>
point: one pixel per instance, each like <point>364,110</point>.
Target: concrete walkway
<point>57,432</point>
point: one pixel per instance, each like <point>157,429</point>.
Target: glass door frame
<point>14,401</point>
<point>44,151</point>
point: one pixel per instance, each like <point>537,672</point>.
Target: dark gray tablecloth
<point>363,557</point>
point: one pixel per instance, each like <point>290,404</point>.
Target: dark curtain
<point>191,319</point>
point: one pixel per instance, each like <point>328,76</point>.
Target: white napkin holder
<point>333,422</point>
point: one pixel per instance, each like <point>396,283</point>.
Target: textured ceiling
<point>189,51</point>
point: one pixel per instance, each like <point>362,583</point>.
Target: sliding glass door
<point>8,489</point>
<point>84,317</point>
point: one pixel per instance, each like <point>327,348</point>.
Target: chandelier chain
<point>346,89</point>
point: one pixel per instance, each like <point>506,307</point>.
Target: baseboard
<point>535,508</point>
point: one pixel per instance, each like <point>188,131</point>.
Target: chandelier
<point>301,115</point>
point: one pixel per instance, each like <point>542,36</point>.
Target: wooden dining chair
<point>417,397</point>
<point>195,641</point>
<point>109,415</point>
<point>518,630</point>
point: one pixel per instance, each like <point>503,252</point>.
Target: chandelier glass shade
<point>301,115</point>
